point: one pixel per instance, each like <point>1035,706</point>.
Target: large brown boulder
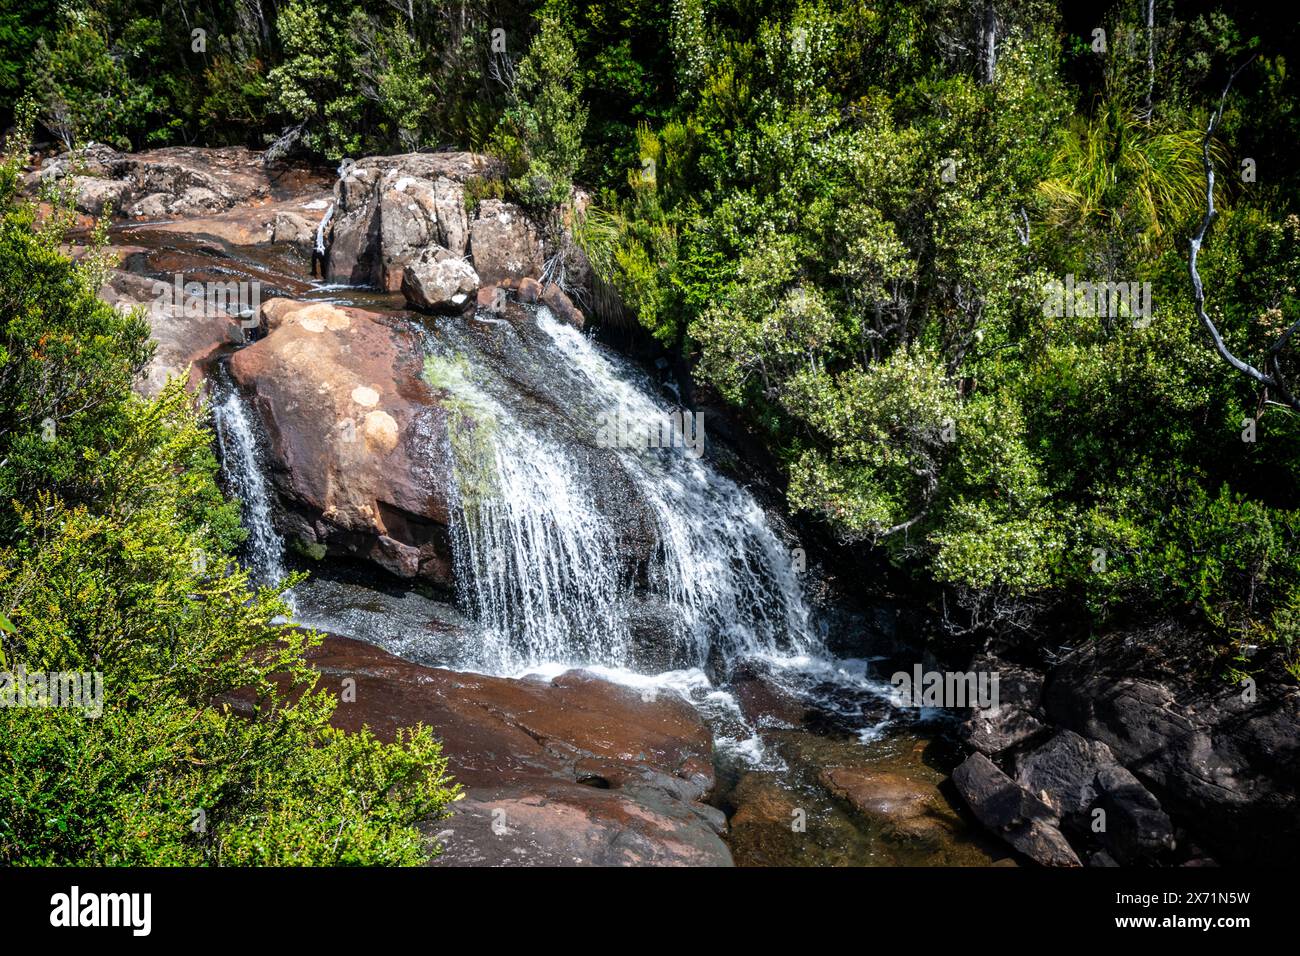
<point>393,211</point>
<point>562,772</point>
<point>355,434</point>
<point>504,243</point>
<point>415,214</point>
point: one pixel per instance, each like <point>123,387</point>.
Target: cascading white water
<point>537,546</point>
<point>720,566</point>
<point>561,540</point>
<point>320,230</point>
<point>536,561</point>
<point>533,559</point>
<point>243,470</point>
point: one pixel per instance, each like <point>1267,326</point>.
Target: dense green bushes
<point>856,257</point>
<point>842,215</point>
<point>334,79</point>
<point>115,557</point>
<point>542,127</point>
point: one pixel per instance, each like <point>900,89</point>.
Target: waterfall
<point>320,230</point>
<point>541,509</point>
<point>534,560</point>
<point>721,567</point>
<point>242,467</point>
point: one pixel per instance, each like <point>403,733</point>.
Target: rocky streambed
<point>623,660</point>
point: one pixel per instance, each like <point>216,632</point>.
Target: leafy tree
<point>546,121</point>
<point>315,84</point>
<point>1116,173</point>
<point>857,263</point>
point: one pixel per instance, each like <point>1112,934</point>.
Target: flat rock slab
<point>574,770</point>
<point>190,335</point>
<point>566,824</point>
<point>175,182</point>
<point>291,221</point>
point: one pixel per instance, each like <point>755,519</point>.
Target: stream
<point>648,566</point>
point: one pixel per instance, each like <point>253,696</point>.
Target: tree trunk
<point>988,36</point>
<point>1151,59</point>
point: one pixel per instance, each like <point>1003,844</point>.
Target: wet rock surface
<point>824,793</point>
<point>828,800</point>
<point>350,422</point>
<point>910,806</point>
<point>569,771</point>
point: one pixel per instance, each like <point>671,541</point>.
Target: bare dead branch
<point>1270,380</point>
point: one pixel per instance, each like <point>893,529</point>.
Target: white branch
<point>1266,379</point>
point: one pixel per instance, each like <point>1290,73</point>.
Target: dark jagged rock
<point>1136,827</point>
<point>530,291</point>
<point>1077,777</point>
<point>1015,719</point>
<point>1225,765</point>
<point>995,730</point>
<point>1013,813</point>
<point>1063,772</point>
